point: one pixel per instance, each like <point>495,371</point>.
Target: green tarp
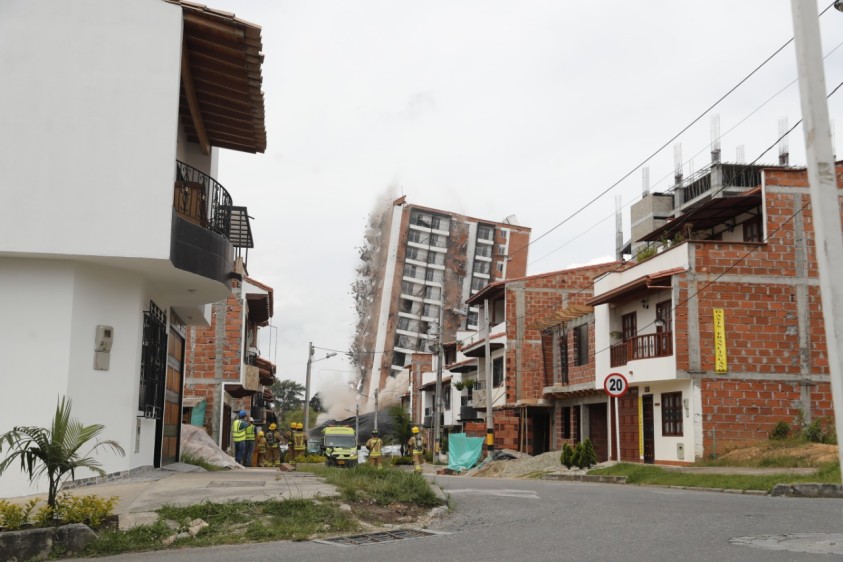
<point>463,451</point>
<point>197,414</point>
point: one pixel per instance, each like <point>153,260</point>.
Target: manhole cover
<point>376,538</point>
<point>814,543</point>
<point>236,484</point>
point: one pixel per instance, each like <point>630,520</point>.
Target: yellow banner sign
<point>720,363</point>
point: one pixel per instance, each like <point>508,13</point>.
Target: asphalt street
<point>502,519</point>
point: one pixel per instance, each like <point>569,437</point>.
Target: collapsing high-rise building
<point>419,265</point>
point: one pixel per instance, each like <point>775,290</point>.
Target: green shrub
<point>13,516</point>
<point>315,459</point>
<point>399,461</point>
<point>584,455</point>
<point>645,253</point>
<point>567,456</point>
<point>781,431</point>
<point>91,510</point>
<point>187,458</point>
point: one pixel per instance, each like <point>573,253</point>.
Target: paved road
<point>496,519</point>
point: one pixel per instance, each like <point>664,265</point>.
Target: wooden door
<point>598,430</point>
<point>649,429</point>
<point>172,399</point>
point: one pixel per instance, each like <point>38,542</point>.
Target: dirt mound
<point>809,454</point>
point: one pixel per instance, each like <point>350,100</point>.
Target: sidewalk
<point>182,484</point>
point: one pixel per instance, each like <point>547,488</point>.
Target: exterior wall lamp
<point>645,303</point>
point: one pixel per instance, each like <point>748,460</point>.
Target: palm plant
<point>55,451</point>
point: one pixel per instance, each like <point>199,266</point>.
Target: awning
<point>707,215</point>
<point>654,281</point>
<point>463,366</point>
<point>432,384</point>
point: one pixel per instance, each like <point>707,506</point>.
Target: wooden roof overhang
<point>564,314</point>
<point>627,291</point>
<point>221,103</point>
<point>563,392</point>
<point>463,366</point>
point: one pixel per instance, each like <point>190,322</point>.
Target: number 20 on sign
<point>616,385</point>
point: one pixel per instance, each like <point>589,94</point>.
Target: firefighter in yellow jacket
<point>299,442</point>
<point>273,445</point>
<point>260,443</point>
<point>375,446</point>
<point>416,445</point>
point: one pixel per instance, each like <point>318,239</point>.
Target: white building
<point>112,228</point>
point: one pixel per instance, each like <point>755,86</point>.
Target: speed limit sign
<point>616,385</point>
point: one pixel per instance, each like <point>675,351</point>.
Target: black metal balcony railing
<point>201,200</point>
<point>642,347</point>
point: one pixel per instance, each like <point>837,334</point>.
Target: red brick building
<point>224,371</point>
<point>526,315</point>
<point>718,328</point>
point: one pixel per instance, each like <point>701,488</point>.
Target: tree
<point>288,394</point>
<point>55,451</point>
<point>402,425</point>
<point>316,403</point>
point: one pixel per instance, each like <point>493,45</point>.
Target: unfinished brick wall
<point>475,429</point>
<point>506,425</point>
<point>741,412</point>
<point>543,296</point>
<point>213,356</point>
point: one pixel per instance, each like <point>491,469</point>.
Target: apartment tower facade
<point>420,269</point>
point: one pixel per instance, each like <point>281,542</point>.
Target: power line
<point>666,144</point>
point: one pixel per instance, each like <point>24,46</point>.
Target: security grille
<point>153,362</point>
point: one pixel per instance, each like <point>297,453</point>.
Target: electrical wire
<point>665,145</point>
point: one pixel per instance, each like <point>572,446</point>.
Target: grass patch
<point>231,523</point>
<point>383,486</point>
<point>197,461</point>
<point>653,475</point>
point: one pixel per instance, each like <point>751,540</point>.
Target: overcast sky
<point>488,108</point>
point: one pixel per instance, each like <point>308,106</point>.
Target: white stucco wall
<point>88,126</point>
<point>51,309</point>
<point>666,445</point>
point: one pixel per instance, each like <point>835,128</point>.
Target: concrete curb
<point>808,490</point>
<point>598,479</point>
<point>38,544</point>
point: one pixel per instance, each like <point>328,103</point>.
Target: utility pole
<point>487,350</point>
<point>310,351</point>
<point>376,409</point>
<point>437,397</point>
<point>825,197</point>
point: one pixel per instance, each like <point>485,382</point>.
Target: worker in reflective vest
<point>250,443</point>
<point>416,446</point>
<point>238,436</point>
